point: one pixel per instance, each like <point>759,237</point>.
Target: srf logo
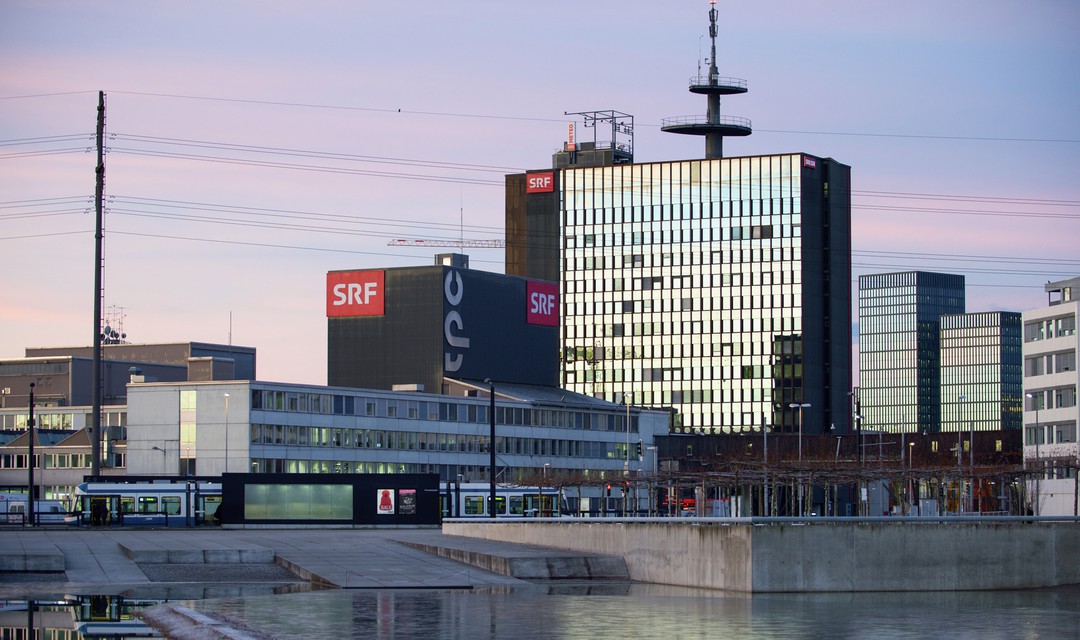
<point>354,293</point>
<point>542,303</point>
<point>540,182</point>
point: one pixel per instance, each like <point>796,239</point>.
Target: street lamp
<point>800,407</point>
<point>626,401</point>
<point>959,431</point>
<point>491,445</point>
<point>1038,436</point>
<point>226,433</point>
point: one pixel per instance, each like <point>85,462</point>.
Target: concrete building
<point>210,428</point>
<point>417,326</point>
<point>899,348</point>
<point>1051,413</point>
<point>62,378</point>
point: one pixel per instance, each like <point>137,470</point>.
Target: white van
<point>13,509</point>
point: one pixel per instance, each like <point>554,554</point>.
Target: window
<point>474,505</point>
<point>171,505</point>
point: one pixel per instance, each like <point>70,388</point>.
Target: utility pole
<point>99,197</point>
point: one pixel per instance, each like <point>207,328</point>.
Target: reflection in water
<point>649,611</point>
<point>75,617</point>
<point>568,610</point>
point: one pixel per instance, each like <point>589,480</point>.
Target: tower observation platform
<point>712,125</point>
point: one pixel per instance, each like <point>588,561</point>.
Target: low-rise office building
<point>211,428</point>
<point>1051,412</point>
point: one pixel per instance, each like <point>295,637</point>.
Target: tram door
<point>206,509</point>
<point>100,510</point>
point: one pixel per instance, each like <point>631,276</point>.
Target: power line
<point>447,114</point>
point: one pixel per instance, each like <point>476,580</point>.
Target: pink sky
<point>931,89</point>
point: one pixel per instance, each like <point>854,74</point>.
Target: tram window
<point>517,505</point>
<point>171,505</point>
<point>127,504</point>
<point>148,504</point>
<point>474,505</point>
<point>500,504</point>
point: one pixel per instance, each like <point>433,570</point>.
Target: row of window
<point>646,184</point>
<point>292,435</point>
<point>745,277</point>
<point>59,420</point>
<point>51,461</point>
<point>1050,433</point>
<point>751,325</point>
<point>1057,398</point>
<point>474,413</point>
<point>578,260</point>
<point>1050,328</point>
<point>1047,363</point>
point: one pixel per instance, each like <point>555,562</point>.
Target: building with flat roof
<point>210,428</point>
<point>417,327</point>
<point>1051,413</point>
<point>900,348</point>
<point>717,286</point>
<point>981,381</point>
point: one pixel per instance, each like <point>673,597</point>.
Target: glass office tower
<point>981,375</point>
<point>719,287</point>
<point>899,347</point>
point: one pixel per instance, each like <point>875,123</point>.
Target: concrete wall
<point>832,557</point>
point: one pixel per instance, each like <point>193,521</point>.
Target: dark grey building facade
<point>413,327</point>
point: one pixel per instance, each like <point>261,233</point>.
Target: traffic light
<point>609,491</point>
<point>640,451</point>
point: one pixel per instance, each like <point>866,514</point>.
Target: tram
<point>471,500</point>
<point>154,503</point>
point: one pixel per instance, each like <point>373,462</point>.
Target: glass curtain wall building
<point>899,348</point>
<point>981,360</point>
<point>719,287</point>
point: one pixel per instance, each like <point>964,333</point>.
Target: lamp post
<point>491,445</point>
<point>911,479</point>
<point>226,433</point>
<point>960,450</point>
<point>1038,436</point>
<point>626,468</point>
<point>800,407</point>
<point>30,461</point>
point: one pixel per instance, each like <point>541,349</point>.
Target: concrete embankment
<point>834,556</point>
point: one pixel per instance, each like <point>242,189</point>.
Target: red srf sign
<point>542,303</point>
<point>354,293</point>
<point>540,182</point>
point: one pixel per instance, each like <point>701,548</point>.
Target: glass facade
<point>899,350</point>
<point>686,284</point>
<point>981,381</point>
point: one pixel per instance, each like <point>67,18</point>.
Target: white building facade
<point>210,428</point>
<point>1051,413</point>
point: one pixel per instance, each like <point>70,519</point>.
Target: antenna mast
<point>714,126</point>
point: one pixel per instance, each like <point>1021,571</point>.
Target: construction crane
<point>420,242</point>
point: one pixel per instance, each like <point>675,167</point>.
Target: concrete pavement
<point>82,560</point>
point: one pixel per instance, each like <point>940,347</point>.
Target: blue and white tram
<point>471,500</point>
<point>157,503</point>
